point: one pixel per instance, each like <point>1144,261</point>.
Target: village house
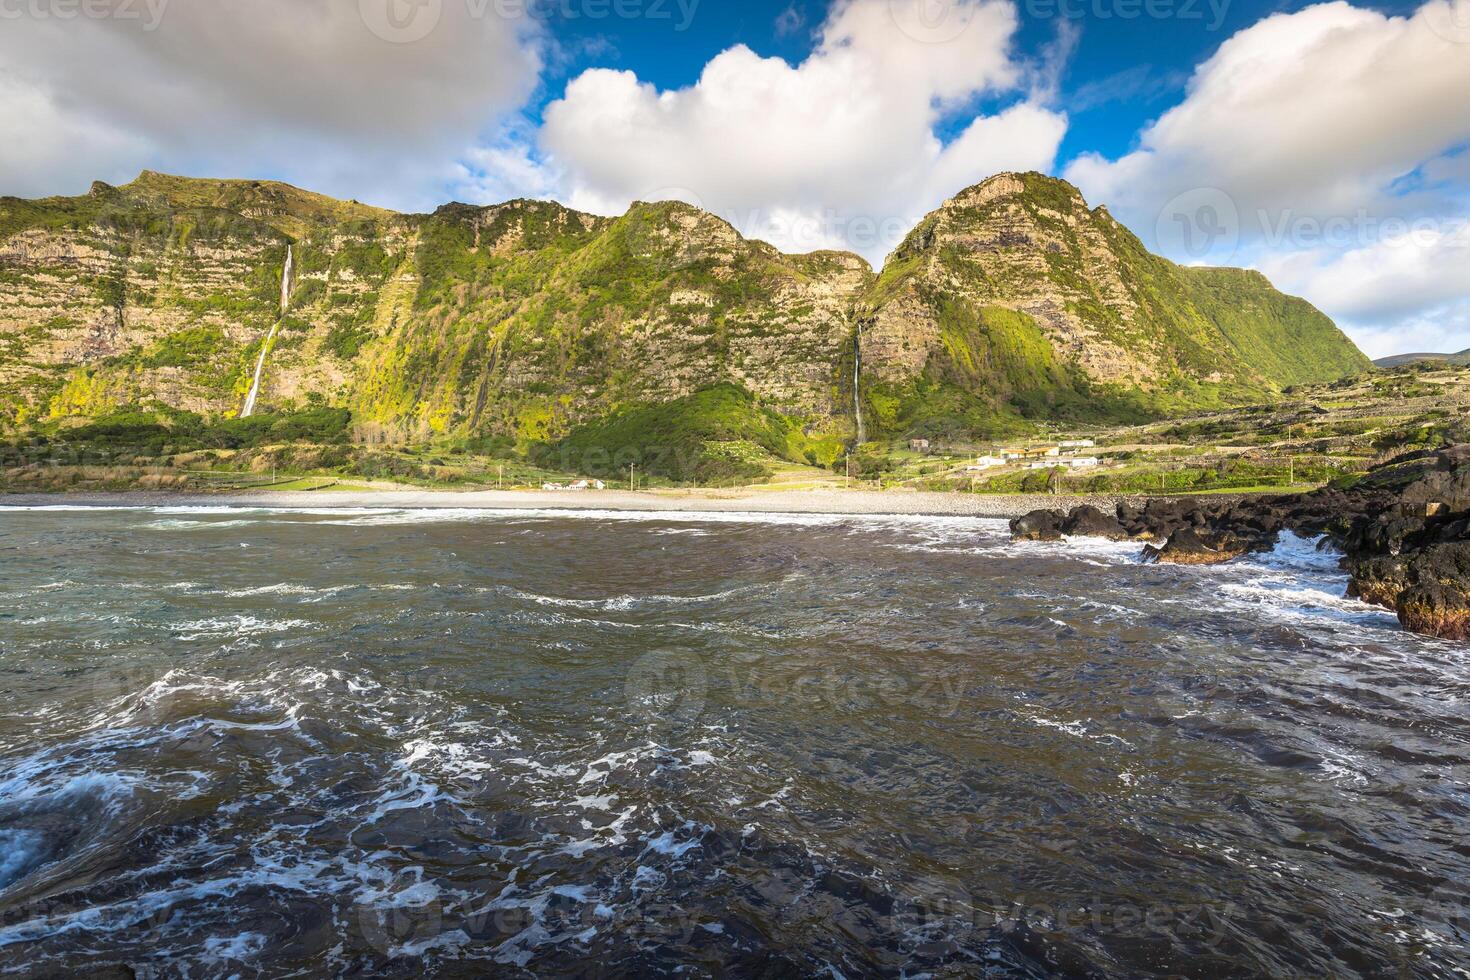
<point>579,486</point>
<point>1073,463</point>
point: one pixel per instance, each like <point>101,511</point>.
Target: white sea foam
<point>235,627</point>
<point>1076,728</point>
<point>274,866</point>
<point>46,779</point>
<point>228,949</point>
<point>370,516</point>
<point>392,516</point>
<point>1287,600</point>
<point>179,524</point>
<point>622,603</point>
<point>668,843</point>
<point>20,850</point>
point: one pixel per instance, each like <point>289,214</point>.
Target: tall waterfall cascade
<point>857,376</point>
<point>270,338</point>
<point>286,280</point>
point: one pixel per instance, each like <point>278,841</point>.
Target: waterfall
<point>265,348</point>
<point>857,375</point>
<point>286,280</point>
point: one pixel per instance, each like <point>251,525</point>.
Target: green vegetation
<point>1158,338</point>
<point>165,432</point>
<point>532,331</point>
<point>724,435</point>
<point>1167,476</point>
<point>717,435</point>
<point>187,348</point>
<point>995,376</point>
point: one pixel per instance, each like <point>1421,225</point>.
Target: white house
<point>1074,463</point>
<point>1079,444</point>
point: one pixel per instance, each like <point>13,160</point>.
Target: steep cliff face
<point>1018,296</point>
<point>526,320</point>
<point>529,318</point>
<point>522,319</point>
<point>162,291</point>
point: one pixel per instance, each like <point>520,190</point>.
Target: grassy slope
<point>995,370</point>
<point>206,256</point>
<point>718,434</point>
<point>1233,321</point>
<point>530,336</point>
<point>996,367</point>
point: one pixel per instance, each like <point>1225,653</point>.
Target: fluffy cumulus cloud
<point>837,151</point>
<point>1406,288</point>
<point>1321,147</point>
<point>367,98</point>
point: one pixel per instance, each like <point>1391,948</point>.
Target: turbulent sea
<point>404,743</point>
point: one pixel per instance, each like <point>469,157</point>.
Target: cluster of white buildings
<point>578,486</point>
<point>1072,462</point>
<point>1042,458</point>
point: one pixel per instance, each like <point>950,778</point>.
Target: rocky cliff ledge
<point>1404,530</point>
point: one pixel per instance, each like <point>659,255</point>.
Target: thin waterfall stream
<point>857,374</point>
<point>265,348</point>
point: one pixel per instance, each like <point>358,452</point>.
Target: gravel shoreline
<point>856,502</point>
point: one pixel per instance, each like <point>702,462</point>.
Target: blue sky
<point>1121,73</point>
<point>1327,145</point>
<point>1117,78</point>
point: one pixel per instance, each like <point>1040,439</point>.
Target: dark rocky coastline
<point>1403,528</point>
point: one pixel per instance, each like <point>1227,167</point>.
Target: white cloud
<point>1405,290</point>
<point>503,169</point>
<point>1317,120</point>
<point>1441,329</point>
<point>839,150</point>
<point>1387,279</point>
<point>1316,111</point>
<point>303,90</point>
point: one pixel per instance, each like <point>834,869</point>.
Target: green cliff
<point>1015,300</point>
<point>539,326</point>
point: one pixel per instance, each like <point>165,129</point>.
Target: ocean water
<point>405,743</point>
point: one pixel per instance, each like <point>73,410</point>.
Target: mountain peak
<point>1050,192</point>
<point>269,200</point>
<point>1019,268</point>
